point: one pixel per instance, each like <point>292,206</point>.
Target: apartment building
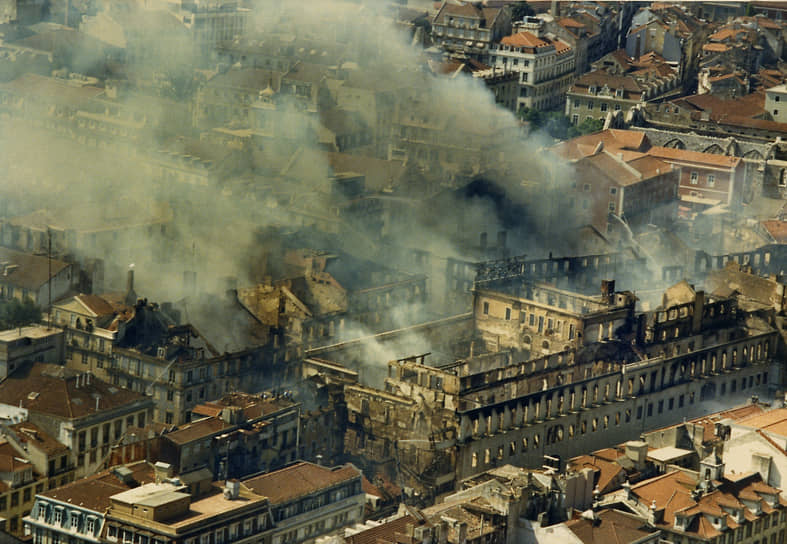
<point>544,63</point>
<point>308,501</point>
<point>76,512</point>
<point>82,412</point>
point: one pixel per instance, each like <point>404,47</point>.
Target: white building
<point>757,444</point>
<point>545,64</point>
<point>776,102</point>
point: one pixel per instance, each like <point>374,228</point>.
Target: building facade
<point>545,65</point>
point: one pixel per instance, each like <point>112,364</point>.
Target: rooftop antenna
<point>49,271</point>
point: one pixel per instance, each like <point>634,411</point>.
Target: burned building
<point>538,319</point>
<point>433,425</point>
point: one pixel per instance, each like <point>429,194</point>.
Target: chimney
<point>163,471</point>
<point>608,291</point>
<point>231,489</point>
<point>130,279</point>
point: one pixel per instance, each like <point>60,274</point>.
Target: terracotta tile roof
<point>31,272</point>
<point>612,140</point>
<point>254,406</point>
<point>93,492</point>
<point>716,47</point>
<point>746,106</point>
<point>10,461</point>
<point>649,166</point>
<point>698,157</point>
<point>197,430</point>
<point>383,533</point>
<point>764,22</point>
<point>52,390</point>
<point>607,471</point>
<point>570,23</point>
<point>765,420</point>
<point>464,9</point>
<point>35,437</point>
<point>777,229</point>
<point>207,409</point>
<point>524,39</point>
<point>611,526</point>
<point>632,90</point>
<point>725,34</point>
<point>671,491</point>
<point>96,304</point>
<point>298,480</point>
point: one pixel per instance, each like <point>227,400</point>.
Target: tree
<point>520,10</point>
<point>557,125</point>
<point>14,313</point>
<point>588,126</point>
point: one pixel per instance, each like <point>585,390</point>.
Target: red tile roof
<point>524,39</point>
<point>777,229</point>
<point>383,533</point>
<point>197,430</point>
<point>93,492</point>
<point>53,390</point>
<point>35,437</point>
<point>610,527</point>
<point>698,157</point>
<point>298,480</point>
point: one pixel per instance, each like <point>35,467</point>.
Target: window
<point>590,104</point>
<point>612,206</point>
<point>711,180</point>
<point>586,187</point>
<point>694,178</point>
<point>508,314</point>
<point>603,106</point>
<point>776,112</point>
<point>574,119</point>
<point>576,103</point>
<point>168,418</point>
<point>617,107</point>
<point>486,308</point>
<point>613,190</point>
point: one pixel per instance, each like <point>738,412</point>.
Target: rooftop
<point>93,492</point>
<point>299,480</point>
<point>63,393</point>
<point>30,331</point>
<point>198,430</point>
<point>26,270</point>
<point>35,437</point>
<point>610,526</point>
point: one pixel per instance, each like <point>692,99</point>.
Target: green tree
<point>588,126</point>
<point>15,313</point>
<point>520,10</point>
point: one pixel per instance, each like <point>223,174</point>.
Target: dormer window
<point>619,93</point>
<point>592,89</point>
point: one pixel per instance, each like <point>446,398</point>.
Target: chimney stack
<point>130,279</point>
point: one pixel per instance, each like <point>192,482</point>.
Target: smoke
<point>161,136</point>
